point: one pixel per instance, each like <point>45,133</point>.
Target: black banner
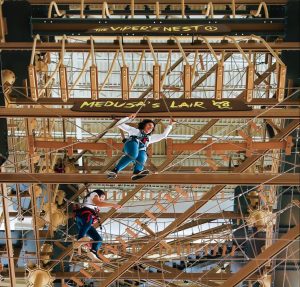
<point>152,106</point>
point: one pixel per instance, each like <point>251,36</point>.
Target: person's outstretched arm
<point>100,203</point>
<point>121,124</point>
<point>158,137</point>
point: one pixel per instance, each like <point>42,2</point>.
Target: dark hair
<point>98,191</point>
<point>143,123</point>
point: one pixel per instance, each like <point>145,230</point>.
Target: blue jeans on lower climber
<point>86,228</point>
<point>133,154</point>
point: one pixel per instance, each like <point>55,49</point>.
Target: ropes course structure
<point>149,145</point>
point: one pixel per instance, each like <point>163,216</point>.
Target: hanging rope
<point>152,50</point>
<point>260,39</point>
<point>239,48</point>
<point>122,51</point>
<point>93,51</point>
<point>109,71</point>
<point>166,68</point>
<point>81,8</point>
<point>157,9</point>
<point>210,10</point>
<point>37,37</point>
<point>210,48</point>
<point>194,66</point>
<point>233,8</point>
<point>56,68</point>
<point>105,10</point>
<point>137,71</point>
<point>181,50</point>
<point>261,5</point>
<point>132,9</point>
<point>53,4</point>
<point>182,9</point>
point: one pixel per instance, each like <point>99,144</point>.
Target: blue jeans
<point>133,154</point>
<point>86,228</point>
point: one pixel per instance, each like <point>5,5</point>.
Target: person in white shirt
<point>85,218</point>
<point>135,147</point>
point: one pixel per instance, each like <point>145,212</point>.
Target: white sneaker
<point>112,174</point>
<point>140,175</point>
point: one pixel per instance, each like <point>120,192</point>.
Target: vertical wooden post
<point>249,83</point>
<point>125,82</point>
<point>63,83</point>
<point>156,81</point>
<point>33,82</point>
<point>219,81</point>
<point>187,81</point>
<point>94,82</point>
<point>281,77</point>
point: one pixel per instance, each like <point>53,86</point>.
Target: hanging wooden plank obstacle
<point>156,81</point>
<point>249,82</point>
<point>281,78</point>
<point>187,81</point>
<point>33,82</point>
<point>94,82</point>
<point>219,81</point>
<point>125,82</point>
<point>63,83</point>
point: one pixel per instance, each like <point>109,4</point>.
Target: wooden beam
<point>66,113</point>
<point>158,47</point>
<point>161,2</point>
<point>8,241</point>
<point>57,101</point>
<point>205,276</point>
<point>94,82</point>
<point>165,178</point>
<point>156,82</point>
<point>174,147</point>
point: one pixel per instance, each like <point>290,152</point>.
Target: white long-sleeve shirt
<point>121,124</point>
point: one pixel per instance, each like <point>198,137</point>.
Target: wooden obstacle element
<point>219,81</point>
<point>122,241</point>
<point>150,215</point>
<point>249,83</point>
<point>165,245</point>
<point>63,78</point>
<point>187,81</point>
<point>125,82</point>
<point>33,82</point>
<point>94,82</point>
<point>212,164</point>
<point>86,274</point>
<point>156,81</point>
<point>161,207</point>
<point>281,78</point>
<point>181,192</point>
<point>131,233</point>
<point>170,199</point>
<point>77,281</point>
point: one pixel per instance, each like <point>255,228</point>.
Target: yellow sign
<point>193,29</point>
